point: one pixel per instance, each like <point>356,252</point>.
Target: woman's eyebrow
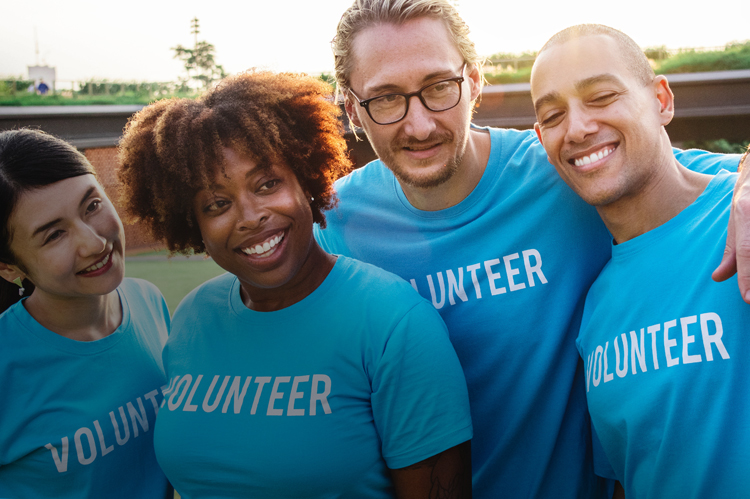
<point>46,226</point>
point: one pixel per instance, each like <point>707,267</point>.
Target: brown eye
<point>215,206</point>
<point>269,185</point>
<point>93,206</point>
<point>53,236</point>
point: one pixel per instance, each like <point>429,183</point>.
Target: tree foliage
<point>200,61</point>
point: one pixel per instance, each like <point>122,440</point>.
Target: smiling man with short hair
<point>665,347</point>
<point>479,223</point>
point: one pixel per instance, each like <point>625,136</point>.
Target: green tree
<point>200,61</point>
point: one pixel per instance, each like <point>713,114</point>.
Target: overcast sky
<point>132,39</point>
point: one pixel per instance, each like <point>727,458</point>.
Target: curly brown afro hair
<point>172,148</point>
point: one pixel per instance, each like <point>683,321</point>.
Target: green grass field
<point>175,277</point>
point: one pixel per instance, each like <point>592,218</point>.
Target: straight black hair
<point>29,159</point>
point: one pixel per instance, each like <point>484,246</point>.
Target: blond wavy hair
<point>365,13</point>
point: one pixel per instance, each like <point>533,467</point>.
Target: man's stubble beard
<point>444,174</point>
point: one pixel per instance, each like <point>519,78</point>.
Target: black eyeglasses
<point>392,108</point>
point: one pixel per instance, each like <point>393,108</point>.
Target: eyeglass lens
<point>439,96</point>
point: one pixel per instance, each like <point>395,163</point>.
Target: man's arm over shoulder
<point>737,251</point>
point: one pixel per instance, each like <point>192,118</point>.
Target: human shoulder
<point>372,177</point>
<point>707,162</point>
<point>140,290</point>
<point>374,277</point>
<point>375,287</point>
<point>142,287</point>
<point>508,143</point>
<point>8,323</point>
<point>212,293</point>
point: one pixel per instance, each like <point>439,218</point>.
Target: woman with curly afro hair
<point>298,373</point>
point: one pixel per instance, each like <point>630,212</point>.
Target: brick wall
<point>104,161</point>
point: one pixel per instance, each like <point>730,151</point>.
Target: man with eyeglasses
<point>481,225</point>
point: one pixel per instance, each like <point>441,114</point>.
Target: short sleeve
<point>419,398</point>
<point>156,301</point>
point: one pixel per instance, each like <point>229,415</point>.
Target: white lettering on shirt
<point>491,278</point>
<point>597,358</point>
<point>131,415</point>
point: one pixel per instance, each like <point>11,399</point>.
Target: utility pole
<point>194,29</point>
<point>36,45</point>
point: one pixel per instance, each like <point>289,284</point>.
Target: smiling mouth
<point>594,157</point>
<point>101,263</point>
<point>266,248</point>
<point>421,148</point>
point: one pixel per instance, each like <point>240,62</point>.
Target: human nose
<point>90,242</point>
<point>419,121</point>
<point>253,213</point>
<point>580,124</point>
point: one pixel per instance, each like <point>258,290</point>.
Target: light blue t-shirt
<point>667,352</point>
<point>77,417</point>
<point>508,269</point>
<point>315,400</point>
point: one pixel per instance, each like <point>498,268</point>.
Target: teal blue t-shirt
<point>77,418</point>
<point>667,352</point>
<point>508,269</point>
<point>315,400</point>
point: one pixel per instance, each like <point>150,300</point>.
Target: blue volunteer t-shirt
<point>508,269</point>
<point>315,400</point>
<point>77,417</point>
<point>666,351</point>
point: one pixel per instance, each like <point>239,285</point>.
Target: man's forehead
<point>403,55</point>
<point>580,62</point>
<point>585,51</point>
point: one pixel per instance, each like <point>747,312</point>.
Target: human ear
<point>10,272</point>
<point>475,81</point>
<point>538,131</point>
<point>351,112</point>
<point>666,99</point>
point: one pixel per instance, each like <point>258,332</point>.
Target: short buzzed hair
<point>633,55</point>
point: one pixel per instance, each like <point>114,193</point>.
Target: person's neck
<point>463,181</point>
<point>671,189</point>
<point>87,318</point>
<point>309,277</point>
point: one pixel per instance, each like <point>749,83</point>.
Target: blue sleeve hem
<point>436,446</point>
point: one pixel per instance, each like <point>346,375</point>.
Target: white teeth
<point>99,265</point>
<point>587,160</point>
<point>264,247</point>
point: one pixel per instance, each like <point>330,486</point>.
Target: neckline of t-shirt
<point>75,347</point>
<point>476,195</point>
<point>292,312</point>
<point>645,241</point>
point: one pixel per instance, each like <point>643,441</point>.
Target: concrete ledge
<point>708,106</point>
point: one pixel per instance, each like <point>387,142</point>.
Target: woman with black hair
<point>80,361</point>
